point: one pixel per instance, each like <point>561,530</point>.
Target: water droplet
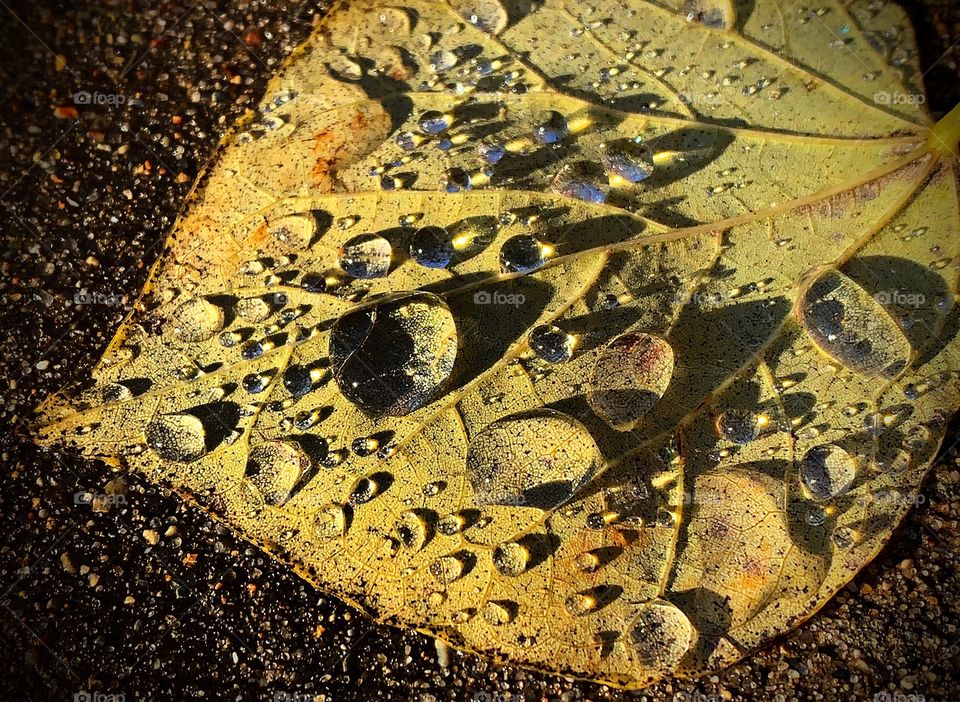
<point>395,20</point>
<point>178,437</point>
<point>441,61</point>
<point>392,356</point>
<point>581,603</point>
<point>274,468</point>
<point>345,68</point>
<point>432,247</point>
<point>365,445</point>
<point>448,569</point>
<point>486,15</point>
<point>575,181</point>
<point>523,253</point>
<point>588,561</point>
<point>491,153</point>
<point>305,419</point>
<point>551,343</point>
<point>456,180</point>
<point>661,635</point>
<point>850,326</point>
<point>412,530</point>
<point>550,127</point>
<point>827,471</point>
<point>254,309</point>
<point>197,319</point>
<point>434,122</point>
<point>330,522</point>
<point>365,490</point>
<point>297,380</point>
<point>511,559</point>
<point>628,159</point>
<point>115,392</point>
<point>815,516</point>
<point>365,256</point>
<point>739,426</point>
<point>630,376</point>
<point>536,459</point>
<point>255,383</point>
<point>499,612</point>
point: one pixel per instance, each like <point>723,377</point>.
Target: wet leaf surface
<point>311,367</point>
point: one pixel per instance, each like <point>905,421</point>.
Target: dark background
<point>87,602</point>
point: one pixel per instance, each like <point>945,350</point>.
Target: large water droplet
<point>432,247</point>
<point>345,68</point>
<point>827,471</point>
<point>486,15</point>
<point>574,180</point>
<point>448,569</point>
<point>499,612</point>
<point>442,60</point>
<point>550,127</point>
<point>628,159</point>
<point>523,253</point>
<point>275,467</point>
<point>850,325</point>
<point>511,558</point>
<point>661,635</point>
<point>535,459</point>
<point>330,522</point>
<point>630,375</point>
<point>254,309</point>
<point>393,355</point>
<point>197,319</point>
<point>366,256</point>
<point>551,343</point>
<point>412,529</point>
<point>433,122</point>
<point>739,426</point>
<point>178,437</point>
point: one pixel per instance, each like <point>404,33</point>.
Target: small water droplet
<point>448,569</point>
<point>511,559</point>
<point>573,180</point>
<point>827,471</point>
<point>255,383</point>
<point>432,247</point>
<point>551,343</point>
<point>739,426</point>
<point>550,127</point>
<point>274,468</point>
<point>434,122</point>
<point>499,612</point>
<point>523,253</point>
<point>486,15</point>
<point>629,159</point>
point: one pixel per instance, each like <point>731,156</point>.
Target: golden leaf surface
<point>606,338</point>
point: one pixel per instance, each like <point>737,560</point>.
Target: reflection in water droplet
<point>274,467</point>
<point>845,538</point>
<point>499,612</point>
<point>550,127</point>
<point>630,375</point>
<point>523,253</point>
<point>576,182</point>
<point>394,355</point>
<point>486,15</point>
<point>661,635</point>
<point>815,516</point>
<point>491,153</point>
<point>536,459</point>
<point>330,522</point>
<point>345,68</point>
<point>255,383</point>
<point>432,247</point>
<point>443,60</point>
<point>196,319</point>
<point>412,530</point>
<point>739,426</point>
<point>456,180</point>
<point>395,20</point>
<point>365,490</point>
<point>254,309</point>
<point>628,159</point>
<point>365,256</point>
<point>827,471</point>
<point>448,569</point>
<point>581,603</point>
<point>551,343</point>
<point>433,122</point>
<point>297,380</point>
<point>115,392</point>
<point>851,326</point>
<point>511,558</point>
<point>177,437</point>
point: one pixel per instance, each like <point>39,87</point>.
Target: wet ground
<point>140,597</point>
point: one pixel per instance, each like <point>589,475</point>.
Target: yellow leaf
<point>612,340</point>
